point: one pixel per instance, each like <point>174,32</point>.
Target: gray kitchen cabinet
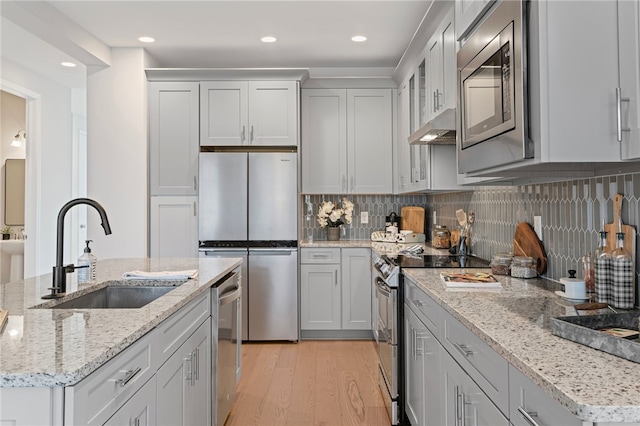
<point>423,397</point>
<point>465,402</point>
<point>356,288</point>
<point>183,382</point>
<point>347,141</point>
<point>629,65</point>
<point>173,227</point>
<point>173,138</point>
<point>249,113</point>
<point>468,13</point>
<point>440,56</point>
<point>335,292</point>
<point>529,405</point>
<point>140,410</point>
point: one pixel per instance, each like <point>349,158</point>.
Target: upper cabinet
<point>347,141</point>
<point>253,113</point>
<point>441,75</point>
<point>468,13</point>
<point>173,138</point>
<point>628,99</point>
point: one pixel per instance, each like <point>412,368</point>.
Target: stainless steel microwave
<point>492,91</point>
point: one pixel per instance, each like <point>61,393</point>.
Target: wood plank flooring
<point>319,383</point>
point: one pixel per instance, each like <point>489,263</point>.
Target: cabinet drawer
<point>482,363</point>
<point>175,330</point>
<point>427,309</point>
<point>320,255</point>
<point>527,399</point>
<point>94,399</point>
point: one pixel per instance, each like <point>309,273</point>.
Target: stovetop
<point>438,261</point>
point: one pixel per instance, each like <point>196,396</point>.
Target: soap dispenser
<point>87,265</point>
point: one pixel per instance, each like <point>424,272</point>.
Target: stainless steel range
<point>388,323</point>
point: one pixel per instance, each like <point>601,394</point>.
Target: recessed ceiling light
<point>68,64</point>
<point>268,39</point>
<point>358,38</point>
<point>146,39</point>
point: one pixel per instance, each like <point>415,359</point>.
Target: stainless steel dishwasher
<point>226,359</point>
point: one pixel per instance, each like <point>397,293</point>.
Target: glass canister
<point>523,267</point>
<point>440,237</point>
<point>500,263</point>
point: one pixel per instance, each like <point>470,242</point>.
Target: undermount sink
<point>117,297</point>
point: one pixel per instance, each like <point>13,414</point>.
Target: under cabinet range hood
<point>441,130</point>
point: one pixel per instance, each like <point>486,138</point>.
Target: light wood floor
<point>309,383</point>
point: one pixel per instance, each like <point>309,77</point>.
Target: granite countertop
<point>515,322</point>
<point>59,347</point>
<point>379,247</point>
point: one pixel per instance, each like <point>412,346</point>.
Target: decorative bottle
<point>622,293</point>
<point>87,265</point>
<point>603,271</point>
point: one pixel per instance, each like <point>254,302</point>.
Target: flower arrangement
<point>331,215</point>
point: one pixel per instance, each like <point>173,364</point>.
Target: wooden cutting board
<point>527,243</point>
<point>612,229</point>
<point>3,318</point>
<point>412,219</point>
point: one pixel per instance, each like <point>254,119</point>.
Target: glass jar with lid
<point>523,267</point>
<point>500,263</point>
<point>440,237</point>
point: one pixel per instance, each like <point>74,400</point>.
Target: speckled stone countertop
<point>59,347</point>
<point>515,322</point>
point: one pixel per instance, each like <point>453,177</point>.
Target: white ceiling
<point>216,33</point>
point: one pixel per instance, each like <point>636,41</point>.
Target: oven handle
<point>382,287</point>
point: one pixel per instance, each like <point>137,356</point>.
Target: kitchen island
<point>514,321</point>
<point>56,349</point>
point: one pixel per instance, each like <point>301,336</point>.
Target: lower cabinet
<point>335,292</point>
<point>423,397</point>
<point>140,410</point>
<point>183,382</point>
<point>465,402</point>
<point>173,226</point>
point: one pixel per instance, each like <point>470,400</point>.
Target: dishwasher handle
<point>272,251</point>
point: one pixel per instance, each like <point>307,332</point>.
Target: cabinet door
<point>140,410</point>
<point>173,227</point>
<point>224,113</point>
<point>182,387</point>
<point>414,374</point>
<point>369,141</point>
<point>324,141</point>
<point>173,138</point>
<point>629,59</point>
<point>356,289</point>
<point>465,403</point>
<point>273,113</point>
<point>468,12</point>
<point>320,297</point>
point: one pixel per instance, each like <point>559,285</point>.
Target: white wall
<point>51,161</point>
<point>117,153</point>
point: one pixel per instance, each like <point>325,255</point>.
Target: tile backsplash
<point>572,214</point>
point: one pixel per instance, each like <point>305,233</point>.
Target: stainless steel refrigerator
<point>248,209</point>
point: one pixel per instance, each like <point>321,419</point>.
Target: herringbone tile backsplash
<point>572,214</point>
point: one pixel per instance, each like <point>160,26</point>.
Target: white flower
<point>330,215</point>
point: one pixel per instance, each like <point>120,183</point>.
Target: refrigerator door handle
<point>272,252</point>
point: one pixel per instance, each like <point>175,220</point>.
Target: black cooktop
<point>438,261</point>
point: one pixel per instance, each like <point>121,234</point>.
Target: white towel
<point>162,275</point>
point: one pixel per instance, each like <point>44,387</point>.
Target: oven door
<point>387,335</point>
<point>492,104</point>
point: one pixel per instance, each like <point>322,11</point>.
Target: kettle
<point>392,223</point>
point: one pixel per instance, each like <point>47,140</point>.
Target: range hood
<point>441,130</point>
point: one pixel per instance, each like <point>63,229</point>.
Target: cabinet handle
<point>251,134</point>
<point>195,209</point>
<point>456,406</point>
<point>128,376</point>
<point>418,303</point>
<point>463,349</point>
<point>242,134</point>
<point>195,183</point>
<point>438,94</point>
<point>136,422</point>
<point>336,276</point>
<point>319,256</point>
<point>435,102</point>
<point>189,376</point>
<point>198,363</point>
<point>413,344</point>
<point>619,100</point>
<point>419,338</point>
<point>528,416</point>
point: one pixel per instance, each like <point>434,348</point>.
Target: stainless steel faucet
<point>60,271</point>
